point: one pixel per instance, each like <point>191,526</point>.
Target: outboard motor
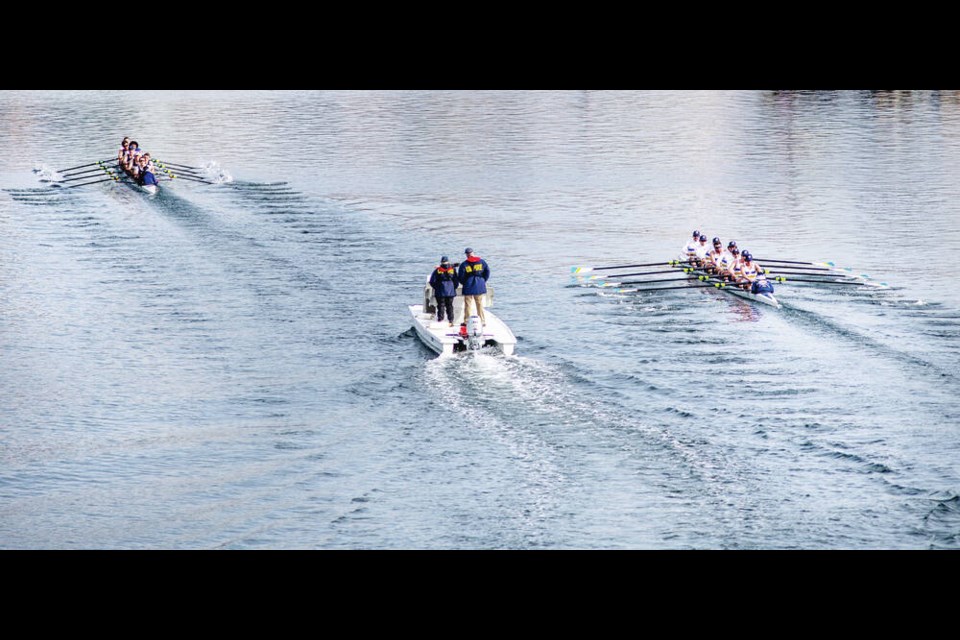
<point>474,333</point>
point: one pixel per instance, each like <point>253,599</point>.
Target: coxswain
<point>146,176</point>
<point>690,249</point>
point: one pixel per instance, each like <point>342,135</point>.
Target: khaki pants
<point>468,301</point>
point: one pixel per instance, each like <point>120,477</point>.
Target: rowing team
<point>136,163</point>
<point>729,265</point>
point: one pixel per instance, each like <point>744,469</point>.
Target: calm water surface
<point>231,365</point>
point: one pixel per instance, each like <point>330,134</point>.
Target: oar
<point>183,177</point>
<point>812,264</point>
<point>163,166</point>
<point>114,179</point>
<point>824,263</point>
<point>85,175</point>
<point>639,273</point>
<point>83,165</point>
<point>678,277</point>
<point>846,272</point>
<point>852,276</point>
<point>718,285</point>
<point>82,172</point>
<point>847,282</point>
<point>181,166</point>
<point>800,268</point>
<point>703,278</point>
<point>575,270</point>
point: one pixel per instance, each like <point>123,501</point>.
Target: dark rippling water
<point>232,365</point>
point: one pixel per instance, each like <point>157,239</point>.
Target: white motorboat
<point>461,335</point>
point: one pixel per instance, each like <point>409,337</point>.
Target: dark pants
<point>444,303</point>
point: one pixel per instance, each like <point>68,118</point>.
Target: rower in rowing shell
<point>690,249</point>
<point>123,150</point>
<point>133,152</point>
<point>754,279</point>
<point>714,256</point>
<point>702,250</point>
<point>736,268</point>
<point>726,261</point>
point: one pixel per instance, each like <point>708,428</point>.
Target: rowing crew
<point>729,265</point>
<point>136,163</point>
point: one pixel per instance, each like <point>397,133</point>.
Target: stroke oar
<point>167,168</point>
<point>774,266</point>
<point>177,165</point>
<point>832,274</point>
<point>882,285</point>
<point>576,270</point>
<point>61,171</point>
<point>183,177</point>
<point>812,264</point>
<point>843,271</point>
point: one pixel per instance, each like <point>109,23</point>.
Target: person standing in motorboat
<point>444,282</point>
<point>473,275</point>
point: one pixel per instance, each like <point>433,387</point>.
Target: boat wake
<point>45,173</point>
<point>551,409</point>
<point>212,171</point>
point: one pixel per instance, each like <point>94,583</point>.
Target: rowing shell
<point>149,188</point>
<point>763,298</point>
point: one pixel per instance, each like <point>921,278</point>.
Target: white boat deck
<point>446,340</point>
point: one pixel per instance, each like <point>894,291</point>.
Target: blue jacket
<point>444,282</point>
<point>473,275</point>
